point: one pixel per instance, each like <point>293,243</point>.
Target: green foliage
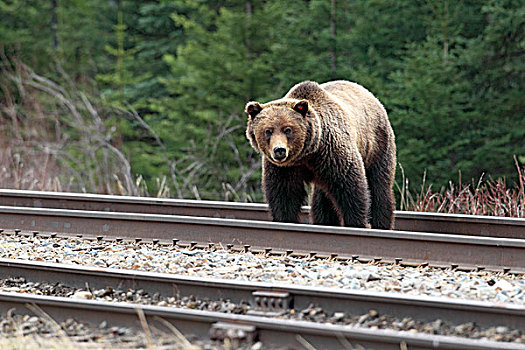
<point>24,32</point>
<point>495,65</point>
<point>431,95</point>
<point>208,80</point>
<point>121,77</point>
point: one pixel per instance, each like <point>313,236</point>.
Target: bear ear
<point>253,108</point>
<point>301,107</point>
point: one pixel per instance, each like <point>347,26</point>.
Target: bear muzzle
<point>279,153</point>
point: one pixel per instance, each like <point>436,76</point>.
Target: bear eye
<point>287,131</point>
<point>268,133</point>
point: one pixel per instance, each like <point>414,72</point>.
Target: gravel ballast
<point>217,262</point>
<point>220,263</point>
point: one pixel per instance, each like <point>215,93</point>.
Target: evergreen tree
<point>209,85</point>
<point>495,64</point>
<point>431,113</point>
<point>25,30</point>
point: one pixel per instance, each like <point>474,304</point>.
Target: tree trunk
<point>333,32</point>
<point>248,27</point>
<point>54,24</point>
<point>120,51</point>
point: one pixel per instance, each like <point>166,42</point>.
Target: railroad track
<point>457,241</point>
<point>269,330</point>
<point>423,308</point>
<point>339,242</point>
<point>473,225</point>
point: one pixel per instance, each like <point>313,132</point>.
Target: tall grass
<point>482,197</point>
<point>53,137</point>
<point>39,331</point>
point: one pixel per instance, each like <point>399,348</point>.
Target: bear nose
<point>279,153</point>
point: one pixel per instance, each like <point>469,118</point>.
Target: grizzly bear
<point>336,137</point>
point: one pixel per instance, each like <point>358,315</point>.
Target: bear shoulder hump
<point>307,90</point>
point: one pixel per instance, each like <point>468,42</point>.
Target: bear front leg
<point>323,211</point>
<point>284,191</point>
<point>348,187</point>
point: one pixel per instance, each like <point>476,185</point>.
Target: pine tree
<point>495,62</point>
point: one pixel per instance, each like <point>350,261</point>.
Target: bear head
<point>284,131</point>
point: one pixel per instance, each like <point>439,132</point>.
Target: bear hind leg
<point>380,177</point>
<point>323,211</point>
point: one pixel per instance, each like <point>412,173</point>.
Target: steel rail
<point>488,226</point>
<point>355,302</point>
<point>268,330</point>
<point>385,245</point>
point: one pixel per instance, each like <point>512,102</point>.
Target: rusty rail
<point>438,249</point>
<point>268,330</point>
<point>486,226</point>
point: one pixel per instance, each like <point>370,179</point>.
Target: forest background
<point>147,97</point>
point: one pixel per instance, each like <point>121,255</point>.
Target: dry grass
<point>17,334</point>
<point>34,343</point>
<point>490,197</point>
<point>55,138</point>
<point>44,342</point>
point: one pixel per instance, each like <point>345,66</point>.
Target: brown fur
<point>335,136</point>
